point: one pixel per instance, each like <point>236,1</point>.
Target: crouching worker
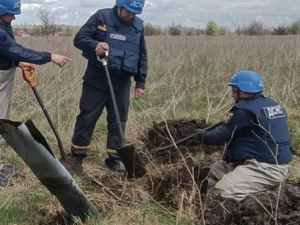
<point>257,142</point>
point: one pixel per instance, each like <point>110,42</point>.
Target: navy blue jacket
<point>268,142</point>
<point>11,53</point>
<point>127,50</point>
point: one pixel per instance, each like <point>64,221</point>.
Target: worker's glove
<point>198,135</point>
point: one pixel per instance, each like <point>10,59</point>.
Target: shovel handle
<point>112,94</point>
<point>28,74</point>
<point>103,59</point>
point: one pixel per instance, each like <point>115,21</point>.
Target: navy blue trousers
<point>92,103</point>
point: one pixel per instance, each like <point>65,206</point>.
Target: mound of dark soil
<point>159,134</point>
<point>166,133</point>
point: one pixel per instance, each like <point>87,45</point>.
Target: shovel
<point>28,74</point>
<point>128,156</point>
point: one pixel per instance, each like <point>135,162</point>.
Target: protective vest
<point>6,63</point>
<point>123,41</point>
<point>270,142</point>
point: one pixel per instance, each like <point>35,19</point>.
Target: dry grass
<point>188,78</point>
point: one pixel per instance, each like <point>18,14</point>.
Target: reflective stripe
<point>112,151</point>
<point>77,147</point>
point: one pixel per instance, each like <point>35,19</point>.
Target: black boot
<point>113,163</point>
<point>79,155</point>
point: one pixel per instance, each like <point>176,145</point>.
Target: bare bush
<point>281,30</point>
<point>295,27</point>
<point>175,29</point>
<point>151,30</point>
<point>48,25</point>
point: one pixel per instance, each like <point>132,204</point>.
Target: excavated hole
<point>174,179</point>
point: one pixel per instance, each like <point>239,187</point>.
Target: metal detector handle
<point>167,147</point>
<point>103,60</point>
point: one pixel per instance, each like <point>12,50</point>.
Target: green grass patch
<point>20,209</point>
<point>101,125</point>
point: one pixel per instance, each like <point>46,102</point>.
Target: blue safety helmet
<point>247,81</point>
<point>132,6</point>
<point>10,7</point>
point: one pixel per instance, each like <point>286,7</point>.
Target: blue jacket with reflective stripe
<point>257,130</point>
<point>11,53</point>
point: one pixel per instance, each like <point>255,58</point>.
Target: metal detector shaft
<point>59,142</point>
<point>112,94</point>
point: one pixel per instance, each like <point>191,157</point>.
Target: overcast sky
<point>191,13</point>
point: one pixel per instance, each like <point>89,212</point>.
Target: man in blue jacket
<point>258,146</point>
<point>13,55</point>
<point>120,32</point>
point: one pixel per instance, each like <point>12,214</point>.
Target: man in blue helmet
<point>14,55</point>
<point>120,32</point>
<point>257,140</point>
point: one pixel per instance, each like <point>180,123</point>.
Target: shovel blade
<point>132,162</point>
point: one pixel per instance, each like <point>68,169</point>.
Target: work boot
<point>113,163</point>
<point>79,155</point>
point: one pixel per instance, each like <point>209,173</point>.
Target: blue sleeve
<point>84,39</point>
<point>240,119</point>
<point>11,49</point>
<point>140,78</point>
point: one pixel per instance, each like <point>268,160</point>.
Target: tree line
<point>213,29</point>
<point>48,26</point>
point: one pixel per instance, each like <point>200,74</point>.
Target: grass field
<point>188,78</point>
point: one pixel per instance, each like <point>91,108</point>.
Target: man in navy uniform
<point>258,145</point>
<point>120,32</point>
